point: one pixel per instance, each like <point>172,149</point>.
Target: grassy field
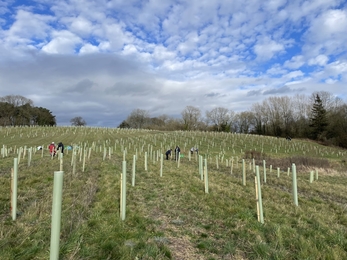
<point>171,217</point>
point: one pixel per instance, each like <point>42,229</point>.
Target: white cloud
<point>320,60</point>
<point>295,62</point>
<point>63,42</point>
<point>338,67</point>
<point>266,48</point>
<point>327,33</point>
<point>115,34</point>
<point>81,26</point>
<point>88,48</point>
<point>330,81</point>
<point>276,70</point>
<point>294,74</point>
<point>28,27</point>
<point>161,53</point>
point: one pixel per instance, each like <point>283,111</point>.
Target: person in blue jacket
<point>168,152</point>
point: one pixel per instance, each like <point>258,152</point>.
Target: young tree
<point>78,121</point>
<point>318,119</point>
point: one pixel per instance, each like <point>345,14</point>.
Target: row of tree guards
<point>202,169</point>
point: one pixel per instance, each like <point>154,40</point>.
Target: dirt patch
<point>181,247</point>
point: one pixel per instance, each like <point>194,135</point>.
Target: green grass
<point>171,217</point>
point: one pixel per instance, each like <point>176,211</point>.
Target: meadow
<point>172,216</point>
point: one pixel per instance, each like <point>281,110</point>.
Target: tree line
<point>16,110</point>
<point>320,116</point>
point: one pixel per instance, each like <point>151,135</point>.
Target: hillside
<point>171,216</point>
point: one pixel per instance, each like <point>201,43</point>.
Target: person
<point>197,150</point>
<point>61,147</point>
<point>192,150</point>
<point>177,152</point>
<point>168,152</point>
<point>51,148</point>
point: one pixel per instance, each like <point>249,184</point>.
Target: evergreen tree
<point>18,110</point>
<point>318,119</point>
<point>124,124</point>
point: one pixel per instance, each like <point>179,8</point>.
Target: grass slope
<point>171,217</point>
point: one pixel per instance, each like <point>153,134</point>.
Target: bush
<point>256,155</point>
<point>300,162</point>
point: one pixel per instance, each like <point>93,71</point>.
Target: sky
<point>101,59</point>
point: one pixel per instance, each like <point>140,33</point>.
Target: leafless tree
<point>138,118</point>
<point>243,122</point>
<point>16,100</point>
<point>191,117</point>
<point>219,117</point>
<point>329,101</point>
<point>78,121</point>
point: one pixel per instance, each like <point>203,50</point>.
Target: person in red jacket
<point>52,149</point>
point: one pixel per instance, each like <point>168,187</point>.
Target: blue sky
<point>102,59</point>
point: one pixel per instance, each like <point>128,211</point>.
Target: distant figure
<point>192,150</point>
<point>168,152</point>
<point>52,149</point>
<point>177,152</point>
<point>39,148</point>
<point>197,150</point>
<point>61,147</point>
<point>288,138</point>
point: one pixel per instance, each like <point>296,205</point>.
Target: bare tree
<point>191,117</point>
<point>219,117</point>
<point>301,107</point>
<point>260,118</point>
<point>78,121</point>
<point>138,118</point>
<point>16,100</point>
<point>274,116</point>
<point>329,100</point>
<point>286,114</point>
<point>173,124</point>
<point>243,122</point>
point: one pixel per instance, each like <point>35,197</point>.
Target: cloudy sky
<point>101,59</point>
